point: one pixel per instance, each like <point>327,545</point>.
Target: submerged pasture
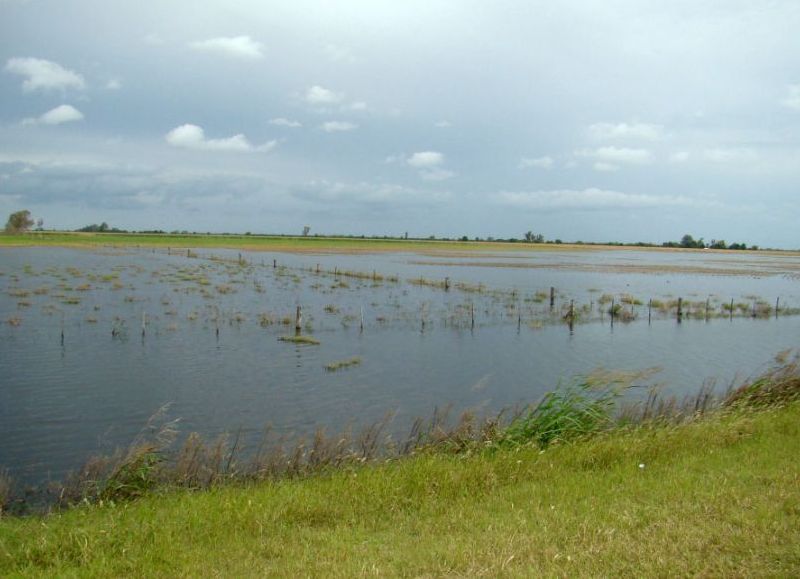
<point>94,341</point>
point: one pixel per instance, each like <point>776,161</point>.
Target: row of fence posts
<point>570,316</point>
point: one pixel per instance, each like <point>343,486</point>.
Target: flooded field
<point>93,342</point>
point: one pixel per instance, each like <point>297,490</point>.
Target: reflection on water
<point>211,328</point>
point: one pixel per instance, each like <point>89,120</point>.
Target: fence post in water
<point>274,263</point>
<point>144,321</point>
<point>298,319</point>
<point>188,253</point>
<point>731,309</point>
<point>472,314</point>
<point>552,296</point>
<point>777,306</point>
<point>571,309</point>
<point>317,268</point>
<point>680,309</point>
<point>361,325</point>
<point>447,284</point>
<point>707,303</point>
<point>612,311</point>
<point>649,309</point>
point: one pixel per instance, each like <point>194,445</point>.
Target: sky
<point>610,120</point>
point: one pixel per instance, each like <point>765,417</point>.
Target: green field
<point>259,242</point>
<point>719,496</point>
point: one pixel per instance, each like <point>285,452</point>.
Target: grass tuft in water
<point>300,340</point>
<point>341,364</point>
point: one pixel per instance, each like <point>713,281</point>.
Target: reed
<point>300,339</point>
<point>341,364</point>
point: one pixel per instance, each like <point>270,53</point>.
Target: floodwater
<point>93,342</point>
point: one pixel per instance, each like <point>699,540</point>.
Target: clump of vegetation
<point>777,387</point>
<point>578,409</point>
<point>300,339</point>
<point>341,364</point>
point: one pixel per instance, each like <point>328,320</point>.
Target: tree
<point>19,222</point>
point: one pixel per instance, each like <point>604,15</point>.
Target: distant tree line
<point>21,221</point>
<point>689,242</point>
<point>102,228</point>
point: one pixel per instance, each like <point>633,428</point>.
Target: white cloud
<point>318,95</point>
<point>56,116</point>
<point>114,84</point>
<point>338,126</point>
<point>236,46</point>
<point>622,155</point>
<point>611,131</point>
<point>44,75</point>
<point>793,99</point>
<point>679,157</point>
<point>592,199</point>
<point>282,122</point>
<point>193,137</point>
<point>425,159</point>
<point>545,162</point>
<point>605,167</point>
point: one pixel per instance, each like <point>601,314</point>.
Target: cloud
<point>60,114</point>
<point>318,95</point>
<point>622,155</point>
<point>357,106</point>
<point>793,99</point>
<point>236,46</point>
<point>429,165</point>
<point>193,137</point>
<point>338,126</point>
<point>44,75</point>
<point>443,124</point>
<point>436,174</point>
<point>125,186</point>
<point>679,157</point>
<point>365,193</point>
<point>282,122</point>
<point>545,162</point>
<point>114,84</point>
<point>425,159</point>
<point>592,199</point>
<point>623,131</point>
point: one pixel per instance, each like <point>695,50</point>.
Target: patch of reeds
<point>300,339</point>
<point>341,364</point>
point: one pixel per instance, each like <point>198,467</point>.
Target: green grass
<point>719,496</point>
<point>300,339</point>
<point>340,364</point>
<point>265,243</point>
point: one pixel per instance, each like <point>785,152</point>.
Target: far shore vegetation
<point>20,231</point>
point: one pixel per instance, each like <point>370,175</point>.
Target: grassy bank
<point>717,496</point>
